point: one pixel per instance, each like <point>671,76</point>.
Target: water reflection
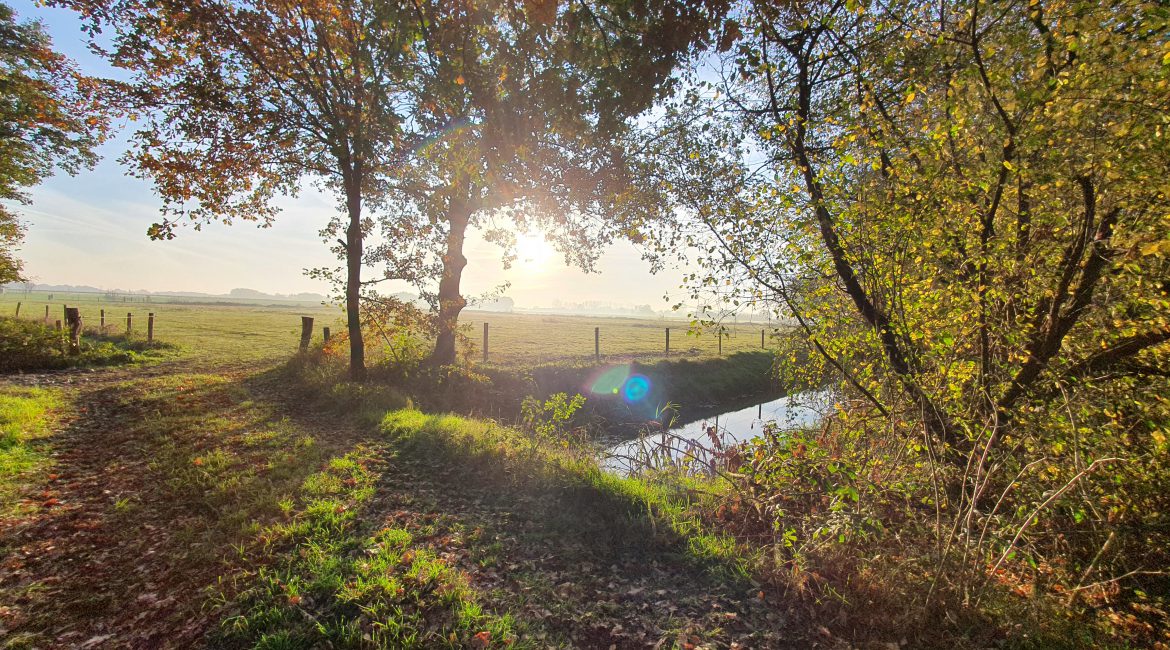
<point>693,439</point>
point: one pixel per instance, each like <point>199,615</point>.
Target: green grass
<point>26,416</point>
<point>588,501</point>
<point>217,333</point>
<point>536,339</point>
<point>333,579</point>
<point>30,346</point>
<point>264,332</point>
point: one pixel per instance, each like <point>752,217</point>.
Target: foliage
<point>964,207</point>
<point>548,421</point>
<point>526,121</point>
<point>29,346</point>
<point>49,117</point>
<point>242,102</point>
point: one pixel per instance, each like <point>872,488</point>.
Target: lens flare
<point>610,381</point>
<point>636,388</point>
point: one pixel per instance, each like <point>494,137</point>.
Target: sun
<point>533,251</point>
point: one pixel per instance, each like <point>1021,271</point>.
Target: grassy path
<point>195,503</point>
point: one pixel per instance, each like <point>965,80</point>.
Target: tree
<point>542,98</point>
<point>384,103</point>
<point>964,205</point>
<point>49,117</point>
<point>242,102</point>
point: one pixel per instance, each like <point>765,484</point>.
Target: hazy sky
<point>91,229</point>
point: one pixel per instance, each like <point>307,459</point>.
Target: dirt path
<point>162,475</point>
<point>104,556</point>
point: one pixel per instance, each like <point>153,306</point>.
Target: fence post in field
<point>46,314</point>
<point>102,327</point>
<point>18,309</point>
<point>668,341</point>
<point>58,326</point>
<point>325,333</point>
<point>65,313</point>
<point>762,339</point>
<point>150,327</point>
<point>306,332</point>
<point>597,343</point>
<point>73,318</point>
<point>129,322</point>
<point>720,335</point>
<point>485,342</point>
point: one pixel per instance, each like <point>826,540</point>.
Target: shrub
<point>28,345</point>
<point>31,346</point>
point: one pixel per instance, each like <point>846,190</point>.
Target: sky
<point>90,229</point>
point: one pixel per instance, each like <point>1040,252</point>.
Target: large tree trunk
<point>451,302</point>
<point>353,283</point>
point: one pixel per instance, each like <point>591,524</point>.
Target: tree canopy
<point>438,110</point>
<point>49,118</point>
<point>964,207</point>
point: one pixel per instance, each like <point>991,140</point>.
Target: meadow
<point>269,330</point>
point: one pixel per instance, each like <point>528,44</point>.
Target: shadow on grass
<point>155,485</point>
<point>529,519</point>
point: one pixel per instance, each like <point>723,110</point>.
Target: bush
<point>31,346</point>
<point>28,345</point>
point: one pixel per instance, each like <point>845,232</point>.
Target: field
<point>271,330</point>
<point>217,498</point>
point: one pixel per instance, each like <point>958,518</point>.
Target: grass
<point>30,346</point>
<point>278,524</point>
<point>331,578</point>
<point>612,508</point>
<point>26,416</point>
<point>266,332</point>
<point>537,339</point>
<point>217,333</point>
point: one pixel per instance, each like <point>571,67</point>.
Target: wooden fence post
<point>58,326</point>
<point>325,333</point>
<point>485,342</point>
<point>306,332</point>
<point>73,318</point>
<point>668,341</point>
<point>46,314</point>
<point>18,309</point>
<point>720,335</point>
<point>129,322</point>
<point>762,346</point>
<point>597,343</point>
<point>102,327</point>
<point>150,327</point>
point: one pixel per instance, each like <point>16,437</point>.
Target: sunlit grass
<point>26,415</point>
<point>631,507</point>
<point>334,579</point>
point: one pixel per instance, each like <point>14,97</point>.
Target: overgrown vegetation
<point>401,367</point>
<point>964,207</point>
<point>27,346</point>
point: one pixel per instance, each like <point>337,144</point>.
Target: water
<point>789,412</point>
